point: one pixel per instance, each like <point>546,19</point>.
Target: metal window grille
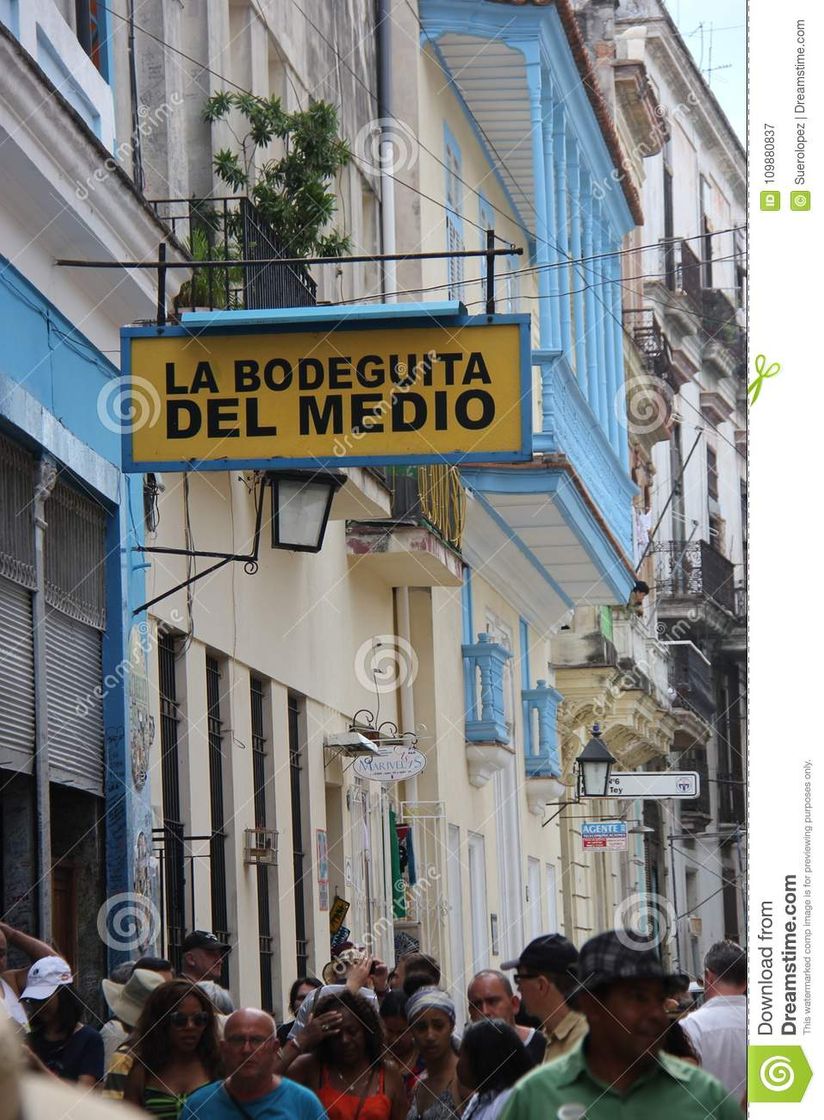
<point>259,784</point>
<point>173,848</point>
<point>217,842</point>
<point>298,853</point>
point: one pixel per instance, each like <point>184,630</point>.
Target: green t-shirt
<point>670,1088</point>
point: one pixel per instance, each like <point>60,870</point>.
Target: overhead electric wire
<point>568,262</point>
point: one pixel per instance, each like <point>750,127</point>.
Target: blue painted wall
<point>50,361</point>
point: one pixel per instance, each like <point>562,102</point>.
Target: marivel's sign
<point>325,388</point>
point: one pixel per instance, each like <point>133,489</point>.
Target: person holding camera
<point>352,969</point>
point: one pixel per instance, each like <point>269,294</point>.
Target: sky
<point>722,44</point>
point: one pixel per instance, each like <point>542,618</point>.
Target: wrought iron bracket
<point>250,560</point>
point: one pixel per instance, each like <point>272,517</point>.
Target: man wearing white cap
<point>13,980</point>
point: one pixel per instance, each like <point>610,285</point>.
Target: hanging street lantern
<point>594,766</point>
<point>301,502</point>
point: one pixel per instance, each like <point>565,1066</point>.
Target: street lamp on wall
<point>594,766</point>
<point>301,503</point>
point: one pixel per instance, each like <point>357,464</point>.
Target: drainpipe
<point>45,478</point>
<point>387,147</point>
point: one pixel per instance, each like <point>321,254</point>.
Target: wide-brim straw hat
<point>128,1000</point>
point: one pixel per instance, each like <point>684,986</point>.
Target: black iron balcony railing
<point>697,569</point>
<point>691,681</point>
<point>228,230</point>
<point>681,268</point>
<point>651,342</point>
<point>433,494</point>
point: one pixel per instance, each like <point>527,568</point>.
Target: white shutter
<point>16,678</point>
<point>73,683</point>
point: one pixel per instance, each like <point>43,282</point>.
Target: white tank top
<point>12,1005</point>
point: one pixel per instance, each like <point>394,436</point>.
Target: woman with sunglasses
<point>346,1069</point>
<point>175,1049</point>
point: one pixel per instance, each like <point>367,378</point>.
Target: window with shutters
<point>173,847</point>
<point>217,842</point>
<point>260,761</point>
<point>454,217</point>
<point>298,835</point>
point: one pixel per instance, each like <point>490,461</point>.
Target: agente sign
<point>343,396</point>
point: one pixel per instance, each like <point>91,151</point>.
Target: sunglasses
<point>199,1019</point>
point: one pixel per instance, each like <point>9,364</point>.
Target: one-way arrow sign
<point>654,786</point>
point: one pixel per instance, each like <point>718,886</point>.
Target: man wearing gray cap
<point>618,1069</point>
<point>545,975</point>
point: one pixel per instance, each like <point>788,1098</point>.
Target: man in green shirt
<point>618,1070</point>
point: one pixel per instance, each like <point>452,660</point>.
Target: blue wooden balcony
<point>541,750</point>
<point>484,663</point>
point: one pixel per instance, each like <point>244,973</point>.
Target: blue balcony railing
<point>484,663</point>
<point>543,757</point>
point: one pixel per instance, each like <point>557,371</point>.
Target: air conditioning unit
<point>261,847</point>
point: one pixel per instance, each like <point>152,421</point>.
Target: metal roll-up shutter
<point>16,678</point>
<point>74,686</point>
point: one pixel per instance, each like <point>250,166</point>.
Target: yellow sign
<point>343,396</point>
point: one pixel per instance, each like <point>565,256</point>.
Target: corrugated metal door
<point>16,678</point>
<point>73,676</point>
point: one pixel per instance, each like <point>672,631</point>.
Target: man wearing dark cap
<point>619,1069</point>
<point>203,955</point>
<point>545,974</point>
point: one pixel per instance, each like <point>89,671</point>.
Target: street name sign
<point>654,786</point>
<point>605,836</point>
<point>326,390</point>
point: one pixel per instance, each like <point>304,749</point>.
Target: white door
<point>551,900</point>
<point>477,898</point>
<point>533,886</point>
<point>458,977</point>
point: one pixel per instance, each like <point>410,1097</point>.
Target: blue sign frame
<point>355,317</point>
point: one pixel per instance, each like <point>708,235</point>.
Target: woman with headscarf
<point>347,1070</point>
<point>491,1059</point>
<point>431,1016</point>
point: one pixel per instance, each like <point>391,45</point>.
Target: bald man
<point>490,996</point>
<point>251,1087</point>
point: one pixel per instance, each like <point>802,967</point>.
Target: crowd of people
<point>599,1033</point>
